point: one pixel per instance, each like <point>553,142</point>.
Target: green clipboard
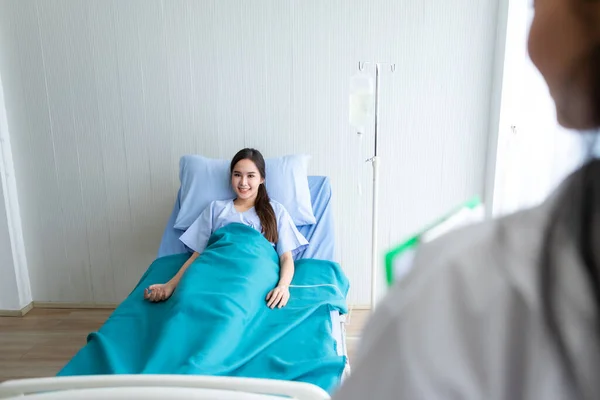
<point>400,257</point>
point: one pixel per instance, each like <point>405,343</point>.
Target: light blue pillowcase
<point>204,180</point>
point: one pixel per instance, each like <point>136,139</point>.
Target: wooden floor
<point>42,342</point>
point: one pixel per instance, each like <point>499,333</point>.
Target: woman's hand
<point>278,297</point>
<point>159,292</point>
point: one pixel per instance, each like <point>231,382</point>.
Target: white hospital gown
<point>222,212</point>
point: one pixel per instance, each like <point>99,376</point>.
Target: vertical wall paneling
<point>255,115</point>
<point>89,155</point>
<point>204,74</point>
<point>104,97</point>
<point>33,148</point>
<point>11,296</point>
<point>157,114</point>
<point>15,284</point>
<point>178,20</point>
<point>57,54</point>
<point>111,134</point>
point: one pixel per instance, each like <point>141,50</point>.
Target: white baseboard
<point>74,305</point>
<point>16,313</point>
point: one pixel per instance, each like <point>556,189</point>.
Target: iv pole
<point>375,162</point>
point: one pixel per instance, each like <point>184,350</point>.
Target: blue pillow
<point>204,180</point>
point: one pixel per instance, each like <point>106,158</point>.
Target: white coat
<point>466,323</point>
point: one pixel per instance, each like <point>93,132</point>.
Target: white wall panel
<point>15,288</point>
<point>30,128</point>
<point>105,96</point>
<point>57,55</point>
<point>9,298</point>
<point>86,124</point>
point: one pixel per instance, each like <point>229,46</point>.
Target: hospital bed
<point>321,239</point>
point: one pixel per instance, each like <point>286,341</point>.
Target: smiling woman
<point>252,207</point>
<point>247,180</point>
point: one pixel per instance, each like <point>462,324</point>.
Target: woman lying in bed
<point>251,207</point>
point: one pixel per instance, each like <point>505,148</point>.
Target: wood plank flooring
<point>43,341</point>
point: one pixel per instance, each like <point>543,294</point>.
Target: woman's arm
<point>175,280</point>
<point>279,296</point>
<point>286,269</point>
<point>161,292</point>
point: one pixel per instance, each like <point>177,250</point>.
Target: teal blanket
<point>217,321</point>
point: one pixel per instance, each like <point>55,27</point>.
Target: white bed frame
<point>338,322</point>
<point>151,387</point>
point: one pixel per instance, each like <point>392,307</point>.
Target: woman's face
<point>245,179</point>
<point>563,37</point>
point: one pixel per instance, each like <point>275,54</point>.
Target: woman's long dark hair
<point>575,217</point>
<point>263,207</point>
